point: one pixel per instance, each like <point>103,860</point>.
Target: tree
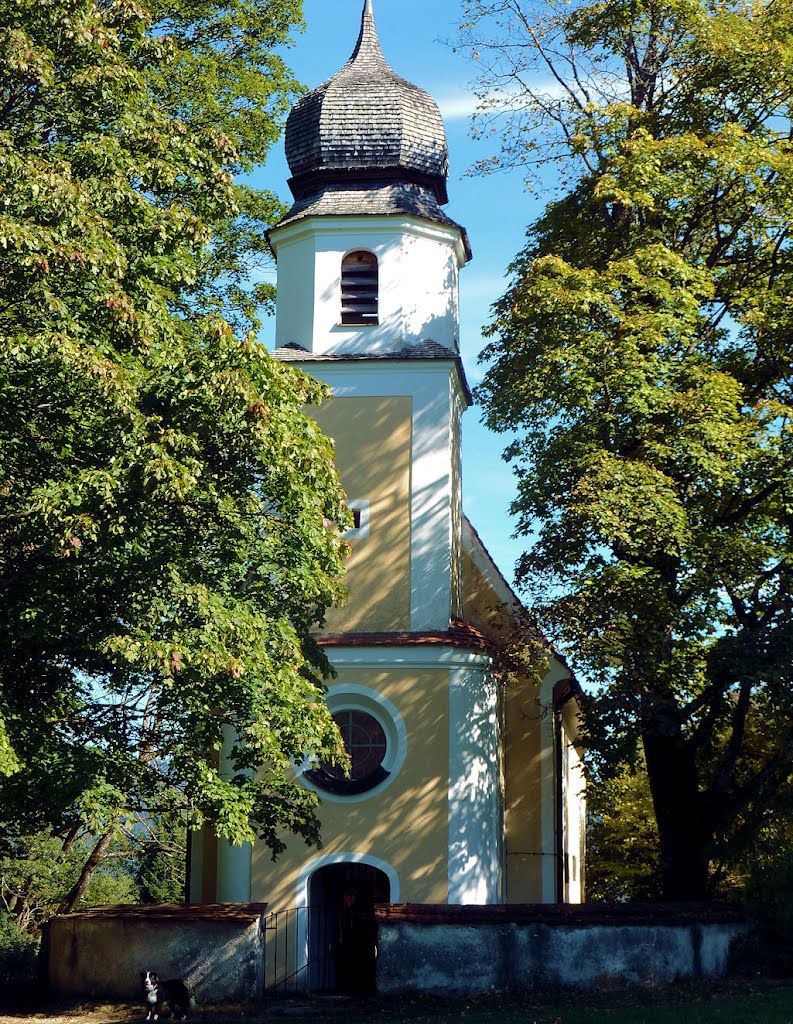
<point>643,356</point>
<point>36,874</point>
<point>38,871</point>
<point>622,855</point>
<point>167,508</point>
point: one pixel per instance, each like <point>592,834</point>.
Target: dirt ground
<point>92,1013</point>
<point>104,1013</point>
<point>116,1013</point>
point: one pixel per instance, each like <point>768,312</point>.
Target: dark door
<point>342,927</point>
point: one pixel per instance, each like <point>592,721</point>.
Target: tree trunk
<point>683,822</point>
<point>98,854</point>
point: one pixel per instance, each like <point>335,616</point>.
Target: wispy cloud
<point>458,107</point>
<point>465,104</point>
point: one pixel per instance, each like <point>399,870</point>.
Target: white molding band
<point>475,804</point>
<point>364,698</point>
<point>367,226</point>
<point>234,862</point>
<point>387,657</point>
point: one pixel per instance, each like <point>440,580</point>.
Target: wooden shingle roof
<point>367,124</point>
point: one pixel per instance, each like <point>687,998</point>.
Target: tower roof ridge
<point>366,125</point>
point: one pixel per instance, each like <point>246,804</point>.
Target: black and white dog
<point>158,992</point>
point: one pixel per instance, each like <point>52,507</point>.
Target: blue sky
<point>495,209</point>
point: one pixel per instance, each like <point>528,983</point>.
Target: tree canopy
<point>643,356</point>
<point>168,512</point>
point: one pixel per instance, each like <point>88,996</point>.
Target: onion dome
<point>367,127</point>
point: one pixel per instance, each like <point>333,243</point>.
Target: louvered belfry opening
<point>359,286</point>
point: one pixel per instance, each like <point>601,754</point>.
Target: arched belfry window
<point>359,288</point>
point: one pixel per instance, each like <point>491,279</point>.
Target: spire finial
<point>368,45</point>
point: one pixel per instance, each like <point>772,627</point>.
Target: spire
<point>364,125</point>
<point>367,49</point>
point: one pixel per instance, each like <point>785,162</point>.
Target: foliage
<point>642,356</point>
<point>623,857</point>
<point>768,889</point>
<point>38,872</point>
<point>167,509</point>
<point>160,871</point>
<point>18,951</point>
<point>224,76</point>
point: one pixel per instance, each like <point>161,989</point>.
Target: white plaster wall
<point>431,385</point>
<point>102,955</point>
<point>474,958</point>
<point>418,264</point>
<point>234,862</point>
<point>475,805</point>
<point>294,307</point>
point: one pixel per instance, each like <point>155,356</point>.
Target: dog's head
<point>150,981</point>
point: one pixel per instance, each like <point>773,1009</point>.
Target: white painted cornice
<point>365,227</point>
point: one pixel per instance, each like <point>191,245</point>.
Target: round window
<point>375,737</point>
<point>367,746</point>
<point>365,741</point>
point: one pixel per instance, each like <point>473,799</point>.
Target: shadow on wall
<point>373,457</point>
<point>405,824</point>
<point>417,301</point>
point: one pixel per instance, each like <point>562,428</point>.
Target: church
<point>463,789</point>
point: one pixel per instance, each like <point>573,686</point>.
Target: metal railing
<point>300,951</point>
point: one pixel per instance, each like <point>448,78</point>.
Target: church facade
<point>463,790</point>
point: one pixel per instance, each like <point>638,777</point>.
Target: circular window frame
<point>353,697</point>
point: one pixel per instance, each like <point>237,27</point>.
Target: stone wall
<point>459,951</point>
<point>218,950</point>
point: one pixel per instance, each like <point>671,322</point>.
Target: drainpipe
<point>188,865</point>
<point>559,809</point>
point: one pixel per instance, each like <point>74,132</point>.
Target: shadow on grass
<point>762,1001</point>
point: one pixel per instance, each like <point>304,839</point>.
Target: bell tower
<point>368,266</point>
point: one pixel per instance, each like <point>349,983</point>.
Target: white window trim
<point>362,531</point>
<point>353,697</point>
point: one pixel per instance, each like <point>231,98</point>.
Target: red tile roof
<point>459,634</point>
<point>244,912</point>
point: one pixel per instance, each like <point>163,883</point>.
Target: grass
<point>762,1001</point>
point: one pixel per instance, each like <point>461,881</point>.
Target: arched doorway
<point>342,932</point>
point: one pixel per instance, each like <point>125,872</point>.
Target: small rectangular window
<point>360,518</point>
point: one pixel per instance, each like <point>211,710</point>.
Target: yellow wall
<point>523,794</point>
<point>406,824</point>
<point>373,441</point>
